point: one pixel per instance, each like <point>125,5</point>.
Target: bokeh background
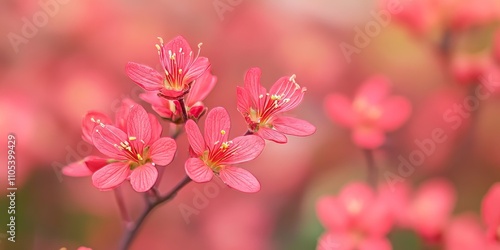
<point>434,52</point>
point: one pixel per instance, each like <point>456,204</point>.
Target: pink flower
<point>171,109</point>
<point>355,218</point>
<point>465,232</point>
<point>496,45</point>
<point>491,213</point>
<point>371,113</point>
<point>180,68</point>
<point>263,110</point>
<point>215,154</point>
<point>133,153</point>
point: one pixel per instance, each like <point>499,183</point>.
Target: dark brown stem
<point>183,109</point>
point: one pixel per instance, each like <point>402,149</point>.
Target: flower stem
<point>372,170</point>
<point>183,109</point>
<point>131,232</point>
<point>123,208</point>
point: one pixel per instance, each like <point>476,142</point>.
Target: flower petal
<point>395,111</point>
<point>90,121</point>
<point>163,151</point>
<point>196,70</point>
<point>489,208</point>
<point>111,175</point>
<point>143,177</point>
<point>95,163</point>
<point>369,138</point>
<point>336,241</point>
<point>339,109</point>
<point>252,85</point>
<point>374,89</point>
<point>201,88</point>
<point>195,138</point>
<point>156,127</point>
<point>247,148</point>
<point>244,101</point>
<point>180,47</point>
<point>121,115</point>
<point>107,139</point>
<point>197,170</point>
<point>76,169</point>
<point>293,126</point>
<point>138,127</point>
<point>375,243</point>
<point>146,77</point>
<point>272,135</point>
<point>217,125</point>
<point>332,214</point>
<point>239,179</point>
<point>287,89</point>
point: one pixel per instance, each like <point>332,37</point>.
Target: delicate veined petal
<point>332,214</point>
<point>246,148</point>
<point>239,179</point>
<point>201,88</point>
<point>146,77</point>
<point>76,169</point>
<point>90,121</point>
<point>197,170</point>
<point>152,98</point>
<point>271,135</point>
<point>369,138</point>
<point>138,127</point>
<point>143,177</point>
<point>156,127</point>
<point>395,111</point>
<point>95,163</point>
<point>252,85</point>
<point>293,126</point>
<point>122,113</point>
<point>375,89</point>
<point>244,100</point>
<point>195,138</point>
<point>196,70</point>
<point>108,139</point>
<point>180,47</point>
<point>111,175</point>
<point>217,126</point>
<point>339,109</point>
<point>290,94</point>
<point>163,151</point>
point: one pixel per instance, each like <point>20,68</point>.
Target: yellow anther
<point>199,45</point>
<point>223,132</point>
<point>139,157</point>
<point>224,145</point>
<point>275,97</point>
<point>132,138</point>
<point>261,96</point>
<point>158,47</point>
<point>161,40</point>
<point>180,71</point>
<point>292,78</point>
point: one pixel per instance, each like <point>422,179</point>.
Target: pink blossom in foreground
<point>355,218</point>
<point>215,154</point>
<point>180,69</point>
<point>466,233</point>
<point>491,213</point>
<point>372,112</point>
<point>171,109</point>
<point>133,153</point>
<point>263,110</point>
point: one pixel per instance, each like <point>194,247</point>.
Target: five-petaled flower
<point>371,113</point>
<point>180,68</point>
<point>215,154</point>
<point>133,153</point>
<point>263,110</point>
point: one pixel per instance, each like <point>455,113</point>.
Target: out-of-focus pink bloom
<point>133,153</point>
<point>372,112</point>
<point>215,154</point>
<point>496,45</point>
<point>355,217</point>
<point>465,233</point>
<point>397,199</point>
<point>468,13</point>
<point>468,69</point>
<point>491,213</point>
<point>419,16</point>
<point>84,248</point>
<point>180,67</point>
<point>85,167</point>
<point>171,109</point>
<point>263,110</point>
<point>431,208</point>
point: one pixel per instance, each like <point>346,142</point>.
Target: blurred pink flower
<point>468,13</point>
<point>491,213</point>
<point>171,110</point>
<point>214,154</point>
<point>84,248</point>
<point>466,233</point>
<point>134,153</point>
<point>496,45</point>
<point>356,217</point>
<point>419,16</point>
<point>263,110</point>
<point>431,208</point>
<point>468,69</point>
<point>397,199</point>
<point>179,65</point>
<point>371,113</point>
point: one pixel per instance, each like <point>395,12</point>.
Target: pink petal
<point>373,243</point>
<point>217,126</point>
<point>163,151</point>
<point>172,94</point>
<point>293,126</point>
<point>369,138</point>
<point>107,140</point>
<point>197,170</point>
<point>152,98</point>
<point>201,88</point>
<point>76,169</point>
<point>156,127</point>
<point>252,85</point>
<point>121,115</point>
<point>239,179</point>
<point>146,77</point>
<point>111,175</point>
<point>180,47</point>
<point>196,70</point>
<point>290,90</point>
<point>244,101</point>
<point>339,109</point>
<point>271,135</point>
<point>332,214</point>
<point>357,198</point>
<point>395,111</point>
<point>247,148</point>
<point>336,241</point>
<point>95,163</point>
<point>464,232</point>
<point>89,122</point>
<point>195,138</point>
<point>374,89</point>
<point>143,177</point>
<point>138,127</point>
<point>490,208</point>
